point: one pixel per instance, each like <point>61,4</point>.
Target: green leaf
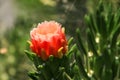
<point>107,58</point>
<point>70,41</point>
<point>77,75</point>
<point>90,24</point>
<point>35,76</point>
<point>116,67</point>
<point>80,43</point>
<point>100,20</point>
<point>73,49</point>
<point>30,55</point>
<point>110,20</point>
<point>98,65</point>
<point>53,66</point>
<point>114,38</point>
<point>106,74</point>
<point>81,67</point>
<point>117,18</point>
<point>91,43</point>
<point>46,72</point>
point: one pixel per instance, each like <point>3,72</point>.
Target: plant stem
<point>67,76</point>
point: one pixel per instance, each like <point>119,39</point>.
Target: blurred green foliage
<point>101,54</point>
<point>14,64</point>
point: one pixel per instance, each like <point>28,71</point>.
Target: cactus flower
<point>47,39</point>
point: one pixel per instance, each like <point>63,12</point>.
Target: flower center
<point>47,29</point>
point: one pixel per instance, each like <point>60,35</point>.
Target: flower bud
<point>48,39</point>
